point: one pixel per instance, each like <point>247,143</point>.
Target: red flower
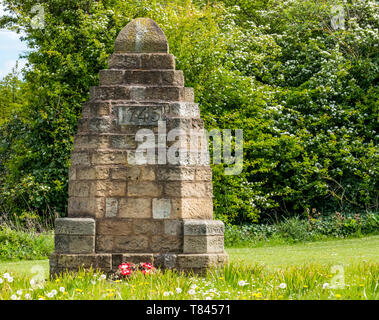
<point>124,266</point>
<point>126,272</point>
<point>148,266</point>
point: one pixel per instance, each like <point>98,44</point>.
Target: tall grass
<point>234,281</point>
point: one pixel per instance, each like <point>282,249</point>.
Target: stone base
<point>108,263</point>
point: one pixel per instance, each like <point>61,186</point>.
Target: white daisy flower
<point>283,285</point>
<point>178,290</point>
<point>242,283</point>
<point>191,292</point>
<point>62,289</point>
<point>325,285</point>
<point>14,297</point>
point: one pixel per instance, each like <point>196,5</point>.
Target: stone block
<point>147,226</point>
<point>173,227</point>
<point>111,207</point>
<point>195,208</point>
<point>135,208</point>
<point>111,77</point>
<point>175,173</point>
<point>144,189</point>
<point>165,260</point>
<point>80,158</point>
<point>166,243</point>
<point>92,173</point>
<point>203,244</point>
<point>119,173</point>
<point>200,261</point>
<point>114,227</point>
<point>157,61</point>
<point>75,261</point>
<point>108,158</point>
<point>161,208</point>
<point>68,243</point>
<point>123,142</point>
<point>93,207</point>
<point>99,125</point>
<point>118,244</point>
<point>108,188</point>
<point>75,226</point>
<point>203,228</point>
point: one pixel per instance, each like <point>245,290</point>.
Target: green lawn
<point>294,272</point>
<point>324,252</point>
<point>341,252</point>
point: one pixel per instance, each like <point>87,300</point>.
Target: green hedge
<point>304,94</point>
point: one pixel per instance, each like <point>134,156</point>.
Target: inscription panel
<point>139,116</point>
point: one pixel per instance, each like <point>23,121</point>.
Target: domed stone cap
<point>142,35</point>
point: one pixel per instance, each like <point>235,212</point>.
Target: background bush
<point>305,95</point>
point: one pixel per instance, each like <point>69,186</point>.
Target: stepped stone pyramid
<point>126,208</point>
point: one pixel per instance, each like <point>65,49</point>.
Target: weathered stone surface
<point>131,243</point>
<point>114,227</point>
<point>175,173</point>
<point>111,207</point>
<point>165,260</point>
<point>195,208</point>
<point>93,207</point>
<point>161,208</point>
<point>203,227</point>
<point>173,227</point>
<point>144,189</point>
<point>75,226</point>
<point>200,261</point>
<point>102,261</point>
<point>68,243</point>
<point>135,208</point>
<point>167,243</point>
<point>203,244</point>
<point>142,61</point>
<point>147,226</point>
<point>141,207</point>
<point>141,35</point>
<point>92,173</point>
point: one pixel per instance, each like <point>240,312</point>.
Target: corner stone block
<point>75,235</point>
<point>203,228</point>
<point>203,236</point>
<point>75,226</point>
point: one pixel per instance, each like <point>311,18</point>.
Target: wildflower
<point>338,296</point>
<point>19,292</point>
<point>53,292</point>
<point>1,280</point>
<point>282,286</point>
<point>208,298</point>
<point>49,295</point>
<point>305,286</point>
<point>6,275</point>
<point>126,272</point>
<point>32,282</point>
<point>62,289</point>
<point>148,266</point>
<point>191,292</point>
<point>325,285</point>
<point>93,282</point>
<point>178,290</point>
<point>28,296</point>
<point>242,283</point>
<point>124,266</point>
<point>10,279</point>
<point>194,286</point>
<point>57,280</point>
<point>78,290</point>
<point>167,293</point>
<point>103,277</point>
<point>14,297</point>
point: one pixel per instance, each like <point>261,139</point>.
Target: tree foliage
<point>305,95</point>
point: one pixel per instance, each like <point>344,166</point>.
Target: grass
<point>305,270</point>
<point>343,252</point>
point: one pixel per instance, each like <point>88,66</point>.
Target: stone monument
<point>123,208</point>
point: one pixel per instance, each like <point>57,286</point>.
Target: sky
<point>10,49</point>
